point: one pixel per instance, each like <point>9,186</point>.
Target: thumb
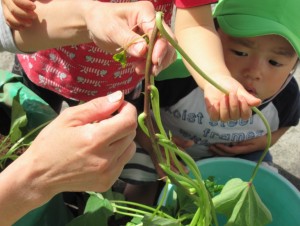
<point>97,109</point>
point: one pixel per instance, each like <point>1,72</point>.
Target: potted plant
<point>275,191</point>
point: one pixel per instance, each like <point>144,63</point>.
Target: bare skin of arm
<point>94,21</point>
<point>84,149</point>
<point>196,34</point>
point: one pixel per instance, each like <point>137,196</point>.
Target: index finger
<point>95,110</point>
<point>119,125</point>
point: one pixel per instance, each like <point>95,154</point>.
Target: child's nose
<point>254,70</point>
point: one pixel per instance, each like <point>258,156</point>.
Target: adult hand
<point>88,145</point>
<point>18,13</point>
<point>110,25</point>
<point>84,149</point>
<point>125,23</point>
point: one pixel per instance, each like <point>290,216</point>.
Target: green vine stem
<point>269,138</point>
<point>206,77</point>
<point>147,99</point>
<point>151,98</point>
<point>119,205</point>
<point>193,187</point>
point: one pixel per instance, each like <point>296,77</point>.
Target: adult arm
<point>84,149</point>
<point>109,25</point>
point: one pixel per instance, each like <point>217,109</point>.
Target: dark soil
<point>5,148</point>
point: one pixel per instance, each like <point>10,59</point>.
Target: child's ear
<point>292,71</point>
<point>295,67</point>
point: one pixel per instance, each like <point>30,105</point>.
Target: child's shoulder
<point>287,103</point>
<point>291,90</point>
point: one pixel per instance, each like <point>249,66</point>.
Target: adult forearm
<point>19,193</point>
<point>59,23</point>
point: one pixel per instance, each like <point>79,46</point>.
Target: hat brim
<point>251,26</point>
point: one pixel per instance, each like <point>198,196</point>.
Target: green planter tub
<point>276,192</point>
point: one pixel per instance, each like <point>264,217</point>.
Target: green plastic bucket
<point>276,192</point>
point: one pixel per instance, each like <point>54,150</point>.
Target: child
<point>79,73</point>
<point>19,14</point>
<point>261,50</point>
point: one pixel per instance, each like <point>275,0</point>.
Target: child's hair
<point>250,18</point>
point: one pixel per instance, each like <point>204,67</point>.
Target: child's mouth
<point>252,91</point>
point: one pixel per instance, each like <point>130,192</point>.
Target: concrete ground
<point>286,152</point>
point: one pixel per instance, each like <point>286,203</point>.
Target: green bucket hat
<point>250,18</point>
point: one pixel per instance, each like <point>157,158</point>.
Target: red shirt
<point>192,3</point>
<point>83,72</point>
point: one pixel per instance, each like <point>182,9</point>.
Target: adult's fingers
<point>119,125</point>
<point>121,140</point>
<point>95,110</point>
<point>126,155</point>
<point>163,55</point>
<point>162,47</point>
<point>114,169</point>
<point>144,22</point>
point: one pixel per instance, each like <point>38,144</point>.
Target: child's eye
<point>239,53</point>
<point>274,63</point>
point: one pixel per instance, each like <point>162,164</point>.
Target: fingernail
<point>115,97</point>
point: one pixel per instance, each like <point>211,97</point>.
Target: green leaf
<point>19,119</point>
<point>112,195</point>
<point>97,212</point>
<point>135,221</point>
<point>150,220</point>
<point>242,205</point>
<point>121,58</point>
<point>212,187</point>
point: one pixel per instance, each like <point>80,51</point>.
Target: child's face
<point>261,64</point>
